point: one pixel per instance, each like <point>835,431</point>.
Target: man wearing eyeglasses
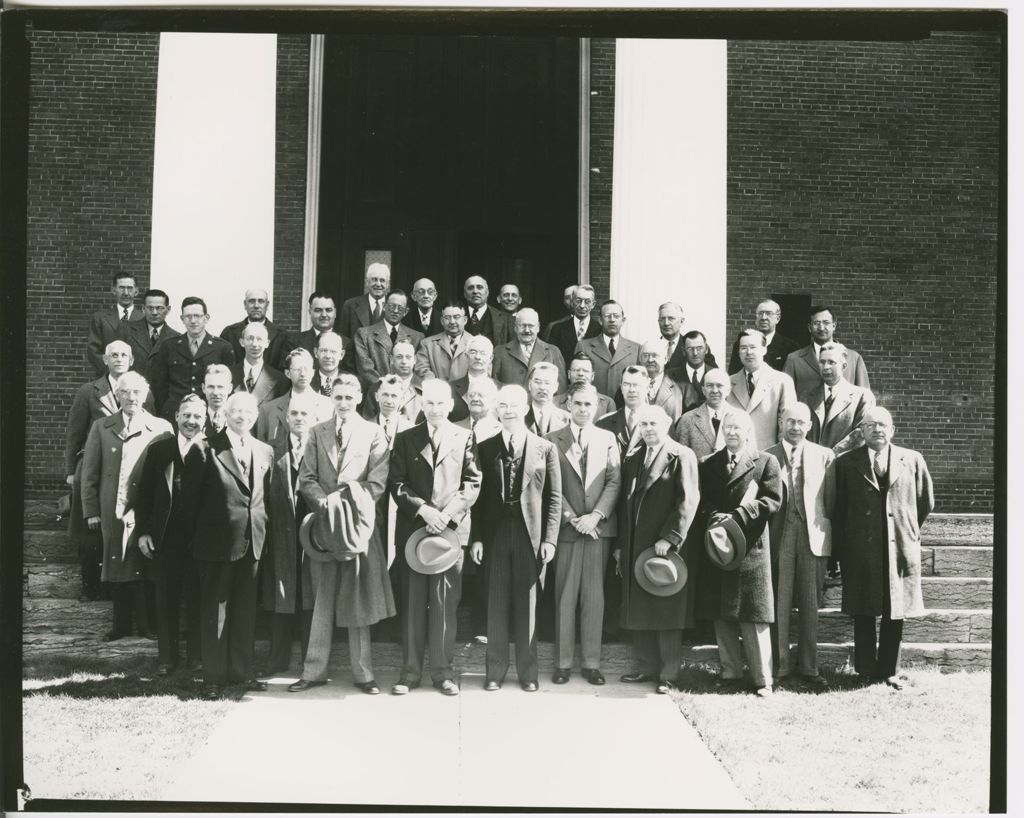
<point>424,318</point>
<point>766,319</point>
<point>802,366</point>
<point>670,322</point>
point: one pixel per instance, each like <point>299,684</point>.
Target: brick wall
<point>602,133</point>
<point>867,176</point>
<point>90,189</point>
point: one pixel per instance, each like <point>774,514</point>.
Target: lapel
<point>816,400</point>
<point>227,457</point>
<point>516,351</point>
<point>205,348</point>
<point>841,399</point>
<point>620,348</point>
<point>807,356</point>
<point>354,441</point>
<point>426,452</point>
<point>665,390</point>
<point>532,461</point>
<point>897,464</point>
<point>283,465</point>
<point>744,464</point>
<point>105,397</point>
<point>330,443</point>
<point>760,388</point>
<point>566,443</point>
<point>707,428</point>
<point>382,337</point>
<point>862,460</point>
<point>363,310</point>
<point>598,348</point>
<point>658,465</point>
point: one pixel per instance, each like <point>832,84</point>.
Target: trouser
<point>326,577</point>
<point>284,628</point>
<point>511,567</point>
<point>659,653</point>
<point>129,602</point>
<point>756,647</point>
<point>428,620</point>
<point>579,580</point>
<point>228,618</point>
<point>176,583</point>
<point>799,577</point>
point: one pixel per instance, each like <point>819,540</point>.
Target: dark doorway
<point>793,324</point>
<point>451,157</point>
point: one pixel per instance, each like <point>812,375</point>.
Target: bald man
<point>482,319</point>
<point>256,303</point>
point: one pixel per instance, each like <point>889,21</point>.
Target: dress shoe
<point>561,675</point>
<point>448,687</point>
<point>404,686</point>
<point>635,678</point>
<point>593,675</point>
<point>163,669</point>
<point>113,636</point>
<point>529,687</point>
<point>255,685</point>
<point>763,692</point>
<point>490,685</point>
<point>303,684</point>
<point>665,687</point>
<point>370,687</point>
<point>895,682</point>
<point>815,682</point>
<point>211,693</point>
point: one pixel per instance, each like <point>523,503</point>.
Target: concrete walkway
<point>620,746</point>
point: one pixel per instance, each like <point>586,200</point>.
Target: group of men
<point>341,475</point>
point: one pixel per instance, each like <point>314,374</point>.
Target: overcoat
<point>744,594</point>
<point>657,505</point>
<point>101,468</point>
<point>872,529</point>
<point>278,569</point>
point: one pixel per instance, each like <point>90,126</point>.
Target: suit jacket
<point>778,350</point>
<point>876,531</point>
<point>355,313</point>
<point>269,385</point>
<point>105,326</point>
<point>174,372</point>
<point>364,460</point>
<point>839,428</point>
<point>154,499</point>
<point>432,327</point>
<point>676,398</point>
<point>496,324</point>
<point>450,485</point>
<point>608,371</point>
<point>137,336</point>
<point>773,394</point>
<point>434,357</point>
<point>677,362</point>
<point>410,405</point>
<point>562,334</point>
<point>486,427</point>
<point>272,421</point>
<point>307,340</point>
<point>510,366</point>
<point>373,350</point>
<point>277,346</point>
<point>605,405</point>
<point>696,431</point>
<point>459,388</point>
<point>556,419</point>
<point>541,497</point>
<point>286,510</point>
<point>590,483</point>
<point>802,367</point>
<point>816,462</point>
<point>92,401</point>
<point>616,424</point>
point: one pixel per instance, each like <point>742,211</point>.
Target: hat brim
<point>314,552</point>
<point>660,590</point>
<point>736,537</point>
<point>439,567</point>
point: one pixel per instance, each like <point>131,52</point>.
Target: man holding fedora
<point>656,508</point>
<point>344,472</point>
<point>740,489</point>
<point>434,479</point>
<point>515,529</point>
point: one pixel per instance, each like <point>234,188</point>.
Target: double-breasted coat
<point>873,530</point>
<point>751,494</point>
<point>285,510</point>
<point>657,504</point>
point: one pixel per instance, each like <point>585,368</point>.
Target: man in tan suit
<point>589,461</point>
<point>837,406</point>
<point>700,429</point>
<point>513,361</point>
<point>610,351</point>
<point>444,355</point>
<point>802,365</point>
<point>801,542</point>
<point>760,391</point>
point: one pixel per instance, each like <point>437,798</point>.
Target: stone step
<point>957,561</point>
<point>53,580</point>
<point>939,592</point>
<point>48,546</point>
<point>942,625</point>
<point>958,529</point>
<point>945,656</point>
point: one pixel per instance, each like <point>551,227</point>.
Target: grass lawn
<point>853,747</point>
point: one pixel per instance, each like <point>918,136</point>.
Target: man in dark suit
<point>434,479</point>
<point>373,344</point>
<point>610,351</point>
<point>165,518</point>
<point>514,530</point>
<point>144,336</point>
<point>330,353</point>
<point>180,363</point>
<point>256,303</point>
<point>691,360</point>
<point>566,332</point>
<point>514,361</point>
<point>322,315</point>
<point>110,323</point>
<point>670,321</point>
<point>622,422</point>
<point>252,373</point>
<point>482,319</point>
<point>883,494</point>
<point>423,317</point>
<point>766,319</point>
<point>367,309</point>
<point>230,528</point>
<point>217,387</point>
<point>802,365</point>
<point>581,371</point>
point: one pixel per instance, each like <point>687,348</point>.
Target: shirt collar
<point>184,443</point>
<point>235,439</point>
<point>882,455</point>
<point>791,450</point>
<point>768,337</point>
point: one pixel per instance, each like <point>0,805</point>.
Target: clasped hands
<point>587,524</point>
<point>436,521</point>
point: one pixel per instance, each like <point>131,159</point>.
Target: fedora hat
<point>341,530</point>
<point>660,576</point>
<point>432,553</point>
<point>726,544</point>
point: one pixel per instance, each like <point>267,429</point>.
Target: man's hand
<point>617,555</point>
<point>146,545</point>
<point>437,521</point>
<point>70,479</point>
<point>547,552</point>
<point>93,523</point>
<point>587,523</point>
<point>476,551</point>
<point>661,547</point>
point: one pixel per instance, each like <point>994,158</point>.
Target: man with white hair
<point>252,373</point>
<point>514,361</point>
<point>423,317</point>
<point>670,322</point>
<point>801,542</point>
<point>366,309</point>
<point>483,319</point>
<point>256,303</point>
<point>578,325</point>
<point>480,400</point>
<point>480,352</point>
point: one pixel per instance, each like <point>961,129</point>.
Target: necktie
<point>829,397</point>
<point>792,470</point>
<point>630,423</point>
<point>154,335</point>
<point>433,443</point>
<point>715,422</point>
<point>580,331</point>
<point>376,311</point>
<point>648,459</point>
<point>750,385</point>
<point>879,466</point>
<point>611,347</point>
<point>511,446</point>
<point>732,462</point>
<point>193,344</point>
<point>583,452</point>
<point>651,392</point>
<point>453,343</point>
<point>394,336</point>
<point>339,438</point>
<point>695,380</point>
<point>474,319</point>
<point>124,314</point>
<point>218,419</point>
<point>297,447</point>
<point>669,349</point>
<point>249,382</point>
<point>241,455</point>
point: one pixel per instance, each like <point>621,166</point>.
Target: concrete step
<point>48,546</point>
<point>946,656</point>
<point>958,529</point>
<point>942,625</point>
<point>957,561</point>
<point>939,592</point>
<point>53,580</point>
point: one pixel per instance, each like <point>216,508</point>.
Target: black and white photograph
<point>503,408</point>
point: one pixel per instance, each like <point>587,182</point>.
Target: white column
<point>213,170</point>
<point>669,184</point>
